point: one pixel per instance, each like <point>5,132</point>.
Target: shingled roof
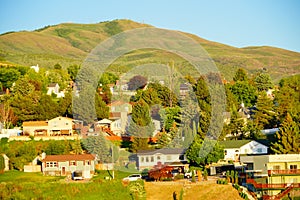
<point>68,157</point>
<point>232,144</point>
<point>162,151</point>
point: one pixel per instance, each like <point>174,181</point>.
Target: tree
<point>2,164</point>
<point>240,75</point>
<point>65,105</point>
<point>264,116</point>
<point>7,116</point>
<point>141,126</point>
<point>236,126</point>
<point>73,71</point>
<point>99,146</point>
<point>137,82</point>
<point>288,97</point>
<point>46,108</point>
<point>171,117</point>
<point>57,66</point>
<point>244,93</point>
<point>263,82</point>
<point>203,152</point>
<point>288,138</point>
<point>204,102</point>
<point>8,76</point>
<point>102,110</point>
<point>108,78</point>
<point>165,95</point>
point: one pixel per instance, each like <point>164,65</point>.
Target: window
<point>276,167</point>
<point>147,159</point>
<point>181,157</point>
<point>152,159</point>
<point>51,164</point>
<point>158,157</point>
<point>142,159</point>
<point>237,151</point>
<point>259,150</point>
<point>169,157</point>
<point>67,123</point>
<point>225,152</point>
<point>73,162</point>
<point>293,166</point>
<point>87,162</point>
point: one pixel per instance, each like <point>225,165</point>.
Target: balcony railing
<point>284,172</point>
<point>272,186</point>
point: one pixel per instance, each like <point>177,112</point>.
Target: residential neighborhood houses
<point>146,133</point>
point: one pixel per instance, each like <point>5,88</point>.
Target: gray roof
<point>179,151</point>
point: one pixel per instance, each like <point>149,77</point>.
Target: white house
<point>234,148</point>
<point>54,88</point>
<point>147,159</point>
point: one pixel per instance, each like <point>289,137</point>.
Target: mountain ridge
<point>70,43</point>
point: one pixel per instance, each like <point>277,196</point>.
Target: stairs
<point>280,195</point>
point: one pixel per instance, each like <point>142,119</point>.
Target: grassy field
<point>203,191</point>
<point>20,185</point>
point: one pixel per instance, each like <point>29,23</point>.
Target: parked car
<point>133,177</point>
<point>189,174</point>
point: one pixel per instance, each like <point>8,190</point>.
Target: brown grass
<point>202,190</point>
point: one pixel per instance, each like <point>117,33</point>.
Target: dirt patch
<point>202,190</point>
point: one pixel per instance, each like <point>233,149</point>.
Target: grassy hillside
<point>70,43</point>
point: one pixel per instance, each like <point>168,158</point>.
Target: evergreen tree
<point>263,82</point>
<point>240,75</point>
<point>102,110</point>
<point>264,116</point>
<point>288,97</point>
<point>204,102</point>
<point>288,138</point>
<point>2,164</point>
<point>97,145</point>
<point>141,126</point>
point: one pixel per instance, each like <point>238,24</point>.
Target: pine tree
<point>2,164</point>
<point>141,126</point>
<point>288,138</point>
<point>264,116</point>
<point>240,75</point>
<point>204,101</point>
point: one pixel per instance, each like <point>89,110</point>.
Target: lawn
<point>21,185</point>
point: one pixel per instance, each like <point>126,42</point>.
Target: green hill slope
<point>70,43</point>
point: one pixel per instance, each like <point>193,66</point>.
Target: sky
<point>238,23</point>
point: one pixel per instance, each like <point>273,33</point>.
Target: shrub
<point>222,181</point>
<point>179,176</point>
<point>193,177</point>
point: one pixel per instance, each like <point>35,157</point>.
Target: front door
<point>63,171</point>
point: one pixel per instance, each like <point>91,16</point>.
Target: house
<point>278,172</point>
<point>53,88</point>
<point>35,128</point>
<point>120,106</point>
<point>35,68</point>
<point>147,159</point>
<point>234,148</point>
<point>184,89</point>
<point>54,127</point>
<point>68,165</point>
<point>60,126</point>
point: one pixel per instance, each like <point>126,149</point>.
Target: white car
<point>133,177</point>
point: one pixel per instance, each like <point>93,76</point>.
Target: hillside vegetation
<point>70,43</point>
